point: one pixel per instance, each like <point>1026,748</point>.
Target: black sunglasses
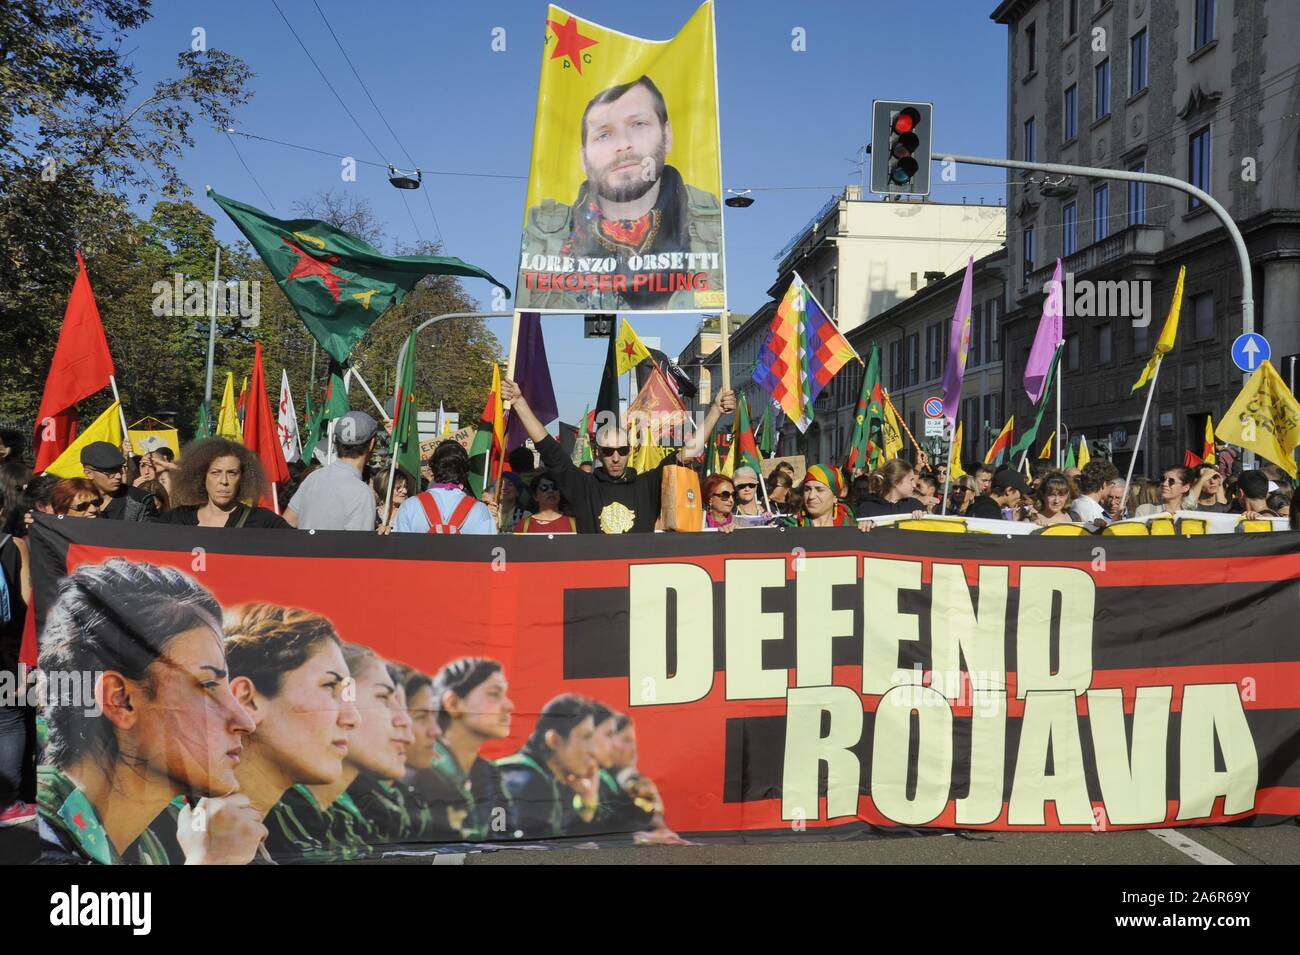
<point>546,486</point>
<point>621,451</point>
<point>84,506</point>
<point>746,487</point>
<point>725,495</point>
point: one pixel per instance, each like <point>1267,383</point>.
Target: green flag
<point>746,448</point>
<point>204,428</point>
<point>406,433</point>
<point>1069,458</point>
<point>871,409</point>
<point>765,442</point>
<point>582,446</point>
<point>338,284</point>
<point>1030,434</point>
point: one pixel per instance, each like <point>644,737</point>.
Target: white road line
<point>1185,844</point>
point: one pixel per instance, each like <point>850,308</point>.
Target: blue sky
<point>789,119</point>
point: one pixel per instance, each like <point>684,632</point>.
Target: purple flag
<point>958,346</point>
<point>1046,340</point>
<point>533,375</point>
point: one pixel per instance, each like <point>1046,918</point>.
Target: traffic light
<point>597,326</point>
<point>900,148</point>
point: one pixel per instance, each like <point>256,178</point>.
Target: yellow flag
<point>107,427</point>
<point>1084,455</point>
<point>956,469</point>
<point>1165,343</point>
<point>631,350</point>
<point>893,434</point>
<point>1265,418</point>
<point>228,417</point>
<point>729,465</point>
<point>1208,456</point>
<point>647,455</point>
<point>1046,453</point>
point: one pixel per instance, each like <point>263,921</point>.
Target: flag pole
<point>1058,424</point>
<point>903,424</point>
<point>947,482</point>
<point>112,381</point>
<point>212,331</point>
<point>1151,390</point>
<point>365,387</point>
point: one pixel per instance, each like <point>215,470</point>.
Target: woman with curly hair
<point>218,484</point>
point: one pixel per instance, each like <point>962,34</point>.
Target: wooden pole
<point>1137,445</point>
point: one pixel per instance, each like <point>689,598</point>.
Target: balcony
<point>1135,245</point>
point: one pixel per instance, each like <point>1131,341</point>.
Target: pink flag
<point>958,346</point>
<point>1047,339</point>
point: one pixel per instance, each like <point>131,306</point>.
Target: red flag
<point>1190,460</point>
<point>261,435</point>
<point>82,365</point>
<point>656,404</point>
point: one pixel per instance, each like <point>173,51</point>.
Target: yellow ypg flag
<point>1208,456</point>
<point>1046,453</point>
<point>729,465</point>
<point>893,433</point>
<point>647,455</point>
<point>1265,419</point>
<point>623,211</point>
<point>107,427</point>
<point>631,350</point>
<point>228,418</point>
<point>1165,343</point>
<point>1084,454</point>
<point>956,469</point>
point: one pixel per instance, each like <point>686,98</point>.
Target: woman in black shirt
<point>218,484</point>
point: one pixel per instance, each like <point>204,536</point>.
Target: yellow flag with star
<point>1265,418</point>
<point>1165,343</point>
<point>956,469</point>
<point>630,349</point>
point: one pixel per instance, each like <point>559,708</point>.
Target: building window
<point>1204,23</point>
<point>1203,309</point>
<point>1100,213</point>
<point>1105,344</point>
<point>1031,54</point>
<point>976,336</point>
<point>993,330</point>
<point>913,359</point>
<point>1071,18</point>
<point>1072,352</point>
<point>1071,113</point>
<point>1137,198</point>
<point>1141,339</point>
<point>1030,138</point>
<point>974,434</point>
<point>896,364</point>
<point>1069,220</point>
<point>1137,62</point>
<point>1028,251</point>
<point>931,350</point>
<point>1101,89</point>
<point>1198,164</point>
<point>993,415</point>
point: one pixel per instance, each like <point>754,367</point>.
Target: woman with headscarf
<point>822,489</point>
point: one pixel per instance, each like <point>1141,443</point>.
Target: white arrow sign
<point>1251,350</point>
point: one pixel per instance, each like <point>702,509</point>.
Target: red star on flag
<point>307,267</point>
<point>629,349</point>
<point>79,821</point>
<point>569,42</point>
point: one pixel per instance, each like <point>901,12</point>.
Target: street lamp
<point>402,180</point>
<point>739,200</point>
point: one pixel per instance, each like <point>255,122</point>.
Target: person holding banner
<point>162,722</point>
<point>75,497</point>
<point>218,484</point>
<point>891,491</point>
<point>446,507</point>
<point>551,516</point>
<point>1052,496</point>
<point>822,489</point>
<point>615,499</point>
<point>1175,494</point>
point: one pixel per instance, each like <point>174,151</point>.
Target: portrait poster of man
<point>623,211</point>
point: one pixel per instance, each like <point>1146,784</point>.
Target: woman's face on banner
<point>603,743</point>
<point>625,746</point>
<point>188,725</point>
<point>576,754</point>
<point>487,709</point>
<point>424,726</point>
<point>305,727</point>
<point>378,745</point>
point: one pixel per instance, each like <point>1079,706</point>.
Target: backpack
<point>454,523</point>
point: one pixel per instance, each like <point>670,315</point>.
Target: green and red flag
<point>1030,435</point>
<point>765,442</point>
<point>746,447</point>
<point>338,284</point>
<point>406,433</point>
<point>204,427</point>
<point>871,410</point>
<point>999,447</point>
<point>582,446</point>
<point>487,452</point>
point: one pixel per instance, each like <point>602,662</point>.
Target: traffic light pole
<point>1243,256</point>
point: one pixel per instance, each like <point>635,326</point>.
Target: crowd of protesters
<point>430,783</point>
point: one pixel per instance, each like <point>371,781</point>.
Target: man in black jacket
<point>614,499</point>
<point>104,466</point>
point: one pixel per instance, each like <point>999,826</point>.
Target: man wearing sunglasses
<point>104,466</point>
<point>614,499</point>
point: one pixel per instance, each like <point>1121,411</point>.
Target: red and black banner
<point>827,679</point>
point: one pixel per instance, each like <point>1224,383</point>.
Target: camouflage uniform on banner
<point>394,813</point>
<point>71,832</point>
<point>299,830</point>
<point>466,803</point>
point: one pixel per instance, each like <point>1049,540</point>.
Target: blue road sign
<point>934,407</point>
<point>1249,350</point>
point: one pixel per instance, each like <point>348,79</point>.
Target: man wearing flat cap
<point>336,497</point>
<point>104,466</point>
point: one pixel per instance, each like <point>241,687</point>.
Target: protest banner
<point>623,211</point>
<point>808,681</point>
<point>462,436</point>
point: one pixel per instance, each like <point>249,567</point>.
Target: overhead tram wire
<point>384,119</point>
<point>247,169</point>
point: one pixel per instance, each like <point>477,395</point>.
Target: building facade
<point>1203,90</point>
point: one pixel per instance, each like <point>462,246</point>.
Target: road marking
<point>1185,844</point>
